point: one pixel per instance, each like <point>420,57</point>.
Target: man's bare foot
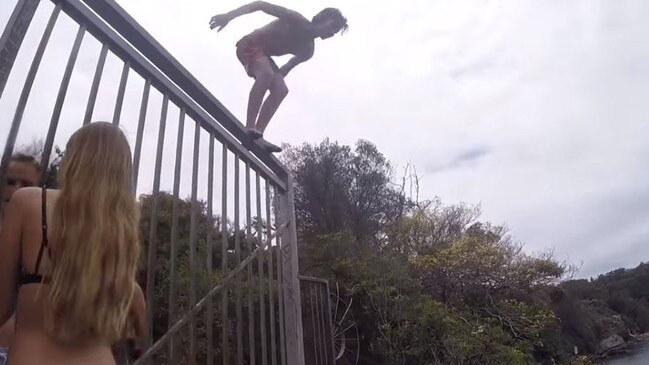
<point>269,146</point>
<point>254,133</point>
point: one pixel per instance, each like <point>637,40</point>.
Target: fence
<point>258,318</point>
<point>316,317</point>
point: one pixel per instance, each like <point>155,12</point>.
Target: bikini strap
<point>44,230</point>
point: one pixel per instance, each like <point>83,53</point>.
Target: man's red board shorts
<point>248,52</point>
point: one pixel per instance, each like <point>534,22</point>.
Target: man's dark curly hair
<point>27,159</point>
<point>330,13</point>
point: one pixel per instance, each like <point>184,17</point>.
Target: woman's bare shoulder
<point>33,194</point>
<point>25,198</point>
<point>28,201</point>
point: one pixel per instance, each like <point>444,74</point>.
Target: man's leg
<point>264,75</point>
<point>278,91</point>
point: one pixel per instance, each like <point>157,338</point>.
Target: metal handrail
<point>134,33</point>
<point>219,122</point>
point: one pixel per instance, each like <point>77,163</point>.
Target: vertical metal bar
<point>251,304</point>
<point>210,248</point>
<point>153,240</point>
<point>329,324</point>
<point>13,35</point>
<point>60,98</point>
<point>320,315</point>
<point>92,98</point>
<point>280,282</point>
<point>24,95</point>
<point>173,301</point>
<point>140,132</point>
<point>323,334</point>
<point>192,244</point>
<point>237,250</point>
<point>290,269</point>
<point>271,276</point>
<point>224,254</point>
<point>120,93</point>
<point>324,300</point>
<point>314,327</point>
<point>260,263</point>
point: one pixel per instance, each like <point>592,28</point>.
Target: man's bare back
<point>280,38</point>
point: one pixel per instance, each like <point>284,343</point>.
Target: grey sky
<point>535,109</point>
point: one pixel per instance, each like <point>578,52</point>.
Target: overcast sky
<point>538,110</point>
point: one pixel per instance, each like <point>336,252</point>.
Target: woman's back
<point>68,258</point>
<point>32,344</point>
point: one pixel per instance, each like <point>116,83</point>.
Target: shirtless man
<point>291,33</point>
<point>23,171</point>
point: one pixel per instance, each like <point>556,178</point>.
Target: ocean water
<point>638,357</point>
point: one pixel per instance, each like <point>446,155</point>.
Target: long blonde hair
<point>95,240</point>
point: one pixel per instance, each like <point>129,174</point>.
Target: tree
<point>340,189</point>
<point>429,283</point>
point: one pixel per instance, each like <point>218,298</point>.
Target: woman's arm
<point>138,307</point>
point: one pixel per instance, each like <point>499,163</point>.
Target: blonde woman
<point>68,257</point>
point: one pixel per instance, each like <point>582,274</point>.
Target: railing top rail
<point>135,34</point>
<point>169,75</point>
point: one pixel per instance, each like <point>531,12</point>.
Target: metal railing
<point>258,247</point>
<point>316,317</point>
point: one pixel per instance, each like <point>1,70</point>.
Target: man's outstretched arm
<point>277,11</point>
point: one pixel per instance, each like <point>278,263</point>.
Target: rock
<point>611,345</point>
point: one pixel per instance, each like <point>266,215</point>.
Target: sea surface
<point>639,356</point>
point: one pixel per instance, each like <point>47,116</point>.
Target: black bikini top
<point>25,277</point>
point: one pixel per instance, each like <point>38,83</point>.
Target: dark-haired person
<point>291,33</point>
<point>23,171</point>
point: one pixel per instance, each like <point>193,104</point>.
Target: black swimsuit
<point>25,277</point>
